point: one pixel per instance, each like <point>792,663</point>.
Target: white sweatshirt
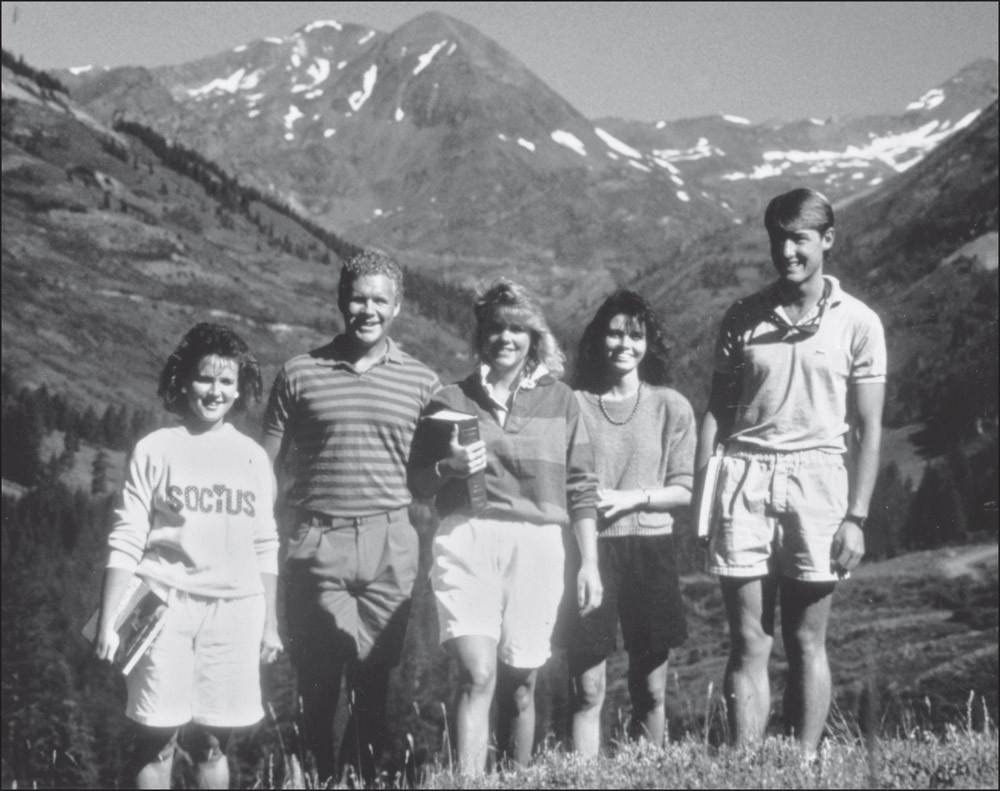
<point>197,513</point>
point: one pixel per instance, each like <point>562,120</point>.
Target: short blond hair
<point>506,298</point>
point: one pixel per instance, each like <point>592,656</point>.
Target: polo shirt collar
<point>832,296</point>
<point>332,353</point>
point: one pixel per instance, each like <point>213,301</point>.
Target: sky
<point>644,61</point>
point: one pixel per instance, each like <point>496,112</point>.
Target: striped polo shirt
<point>349,432</point>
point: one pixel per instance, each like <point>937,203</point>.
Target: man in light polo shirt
<point>799,374</point>
<point>339,425</point>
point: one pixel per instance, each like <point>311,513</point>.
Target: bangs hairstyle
<point>201,341</point>
<point>365,263</point>
<point>508,301</point>
<point>592,371</point>
<point>800,208</point>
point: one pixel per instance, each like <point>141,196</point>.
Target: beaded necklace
<point>604,411</point>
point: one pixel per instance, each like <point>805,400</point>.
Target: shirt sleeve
<point>581,478</point>
<point>279,406</point>
<point>133,515</point>
<point>265,528</point>
<point>680,440</point>
<point>868,353</point>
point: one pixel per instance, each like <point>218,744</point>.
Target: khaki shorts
<point>204,666</point>
<point>502,580</point>
<point>777,513</point>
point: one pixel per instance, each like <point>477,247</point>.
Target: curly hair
<point>591,365</point>
<point>508,301</point>
<point>202,340</point>
<point>367,262</point>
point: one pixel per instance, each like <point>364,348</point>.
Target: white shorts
<point>502,580</point>
<point>204,666</point>
<point>777,513</point>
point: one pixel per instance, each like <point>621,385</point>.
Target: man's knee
<point>751,643</point>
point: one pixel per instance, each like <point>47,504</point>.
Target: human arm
<point>716,424</point>
<point>113,587</point>
<point>849,541</point>
<point>671,472</point>
<point>589,591</point>
<point>270,644</point>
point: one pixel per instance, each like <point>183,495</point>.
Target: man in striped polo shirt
<point>339,425</point>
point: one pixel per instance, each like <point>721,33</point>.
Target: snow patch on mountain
<point>80,69</point>
<point>274,40</point>
<point>319,71</point>
<point>400,114</point>
<point>526,144</point>
<point>639,166</point>
<point>358,98</point>
<point>898,151</point>
<point>736,119</point>
<point>293,115</point>
<point>928,101</point>
<point>329,132</point>
<point>366,38</point>
<point>425,60</point>
<point>569,140</point>
<point>682,195</point>
<point>239,80</point>
<point>452,48</point>
<point>700,150</point>
<point>322,23</point>
<point>617,145</point>
<point>240,48</point>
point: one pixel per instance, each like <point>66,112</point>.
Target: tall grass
<point>962,755</point>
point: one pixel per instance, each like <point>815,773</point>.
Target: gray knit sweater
<point>654,449</point>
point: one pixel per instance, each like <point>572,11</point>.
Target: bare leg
<point>210,764</point>
<point>364,736</point>
<point>589,681</point>
<point>805,612</point>
<point>153,756</point>
<point>750,612</point>
<point>477,666</point>
<point>647,686</point>
<point>516,712</point>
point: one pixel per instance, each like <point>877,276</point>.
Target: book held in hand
<point>706,502</point>
<point>138,620</point>
<point>439,427</point>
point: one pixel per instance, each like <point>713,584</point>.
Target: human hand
<point>612,503</point>
<point>463,460</point>
<point>589,591</point>
<point>271,646</point>
<point>106,644</point>
<point>848,548</point>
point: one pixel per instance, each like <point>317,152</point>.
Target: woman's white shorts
<point>499,579</point>
<point>204,666</point>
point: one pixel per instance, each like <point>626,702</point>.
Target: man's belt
<point>328,522</point>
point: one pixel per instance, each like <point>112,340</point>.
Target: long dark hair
<point>591,365</point>
<point>200,341</point>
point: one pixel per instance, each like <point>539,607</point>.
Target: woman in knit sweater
<point>498,574</point>
<point>644,439</point>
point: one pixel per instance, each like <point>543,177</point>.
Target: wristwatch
<point>855,519</point>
